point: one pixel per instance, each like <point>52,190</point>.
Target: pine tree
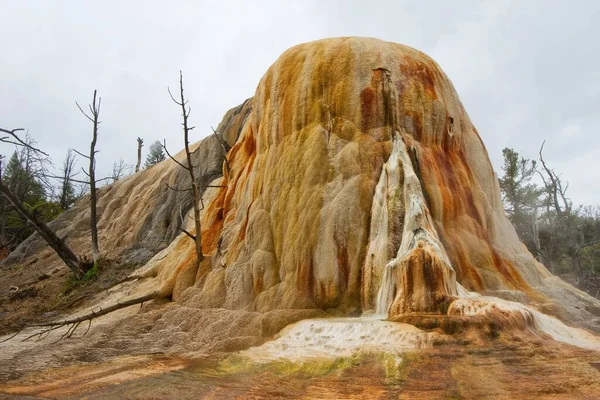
<point>521,197</point>
<point>67,195</point>
<point>156,154</point>
<point>18,176</point>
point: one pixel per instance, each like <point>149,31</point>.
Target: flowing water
<point>340,337</point>
<point>536,321</point>
<point>417,226</point>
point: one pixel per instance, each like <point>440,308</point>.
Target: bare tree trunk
<point>59,246</point>
<point>195,191</point>
<point>95,112</point>
<point>197,200</point>
<point>92,172</point>
<point>139,153</point>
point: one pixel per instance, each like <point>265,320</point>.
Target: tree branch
<point>84,113</point>
<point>18,142</point>
<point>188,234</point>
<point>178,190</point>
<point>164,146</point>
<point>172,98</point>
<point>81,154</point>
<point>75,322</point>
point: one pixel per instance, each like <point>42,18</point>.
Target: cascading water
<point>471,304</point>
<point>417,227</point>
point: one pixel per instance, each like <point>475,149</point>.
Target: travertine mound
<point>356,182</point>
<point>357,162</point>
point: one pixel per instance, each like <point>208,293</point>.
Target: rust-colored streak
<point>249,144</point>
<point>259,284</point>
<point>368,108</point>
<point>507,269</point>
<point>448,176</point>
<point>343,266</point>
<point>210,236</point>
<point>471,209</point>
<point>465,271</point>
<point>420,72</point>
<point>213,223</point>
<point>242,234</point>
<point>306,277</point>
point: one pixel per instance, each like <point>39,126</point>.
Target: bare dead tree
<point>554,188</point>
<point>140,143</point>
<point>76,265</point>
<point>67,191</point>
<point>120,169</point>
<point>91,174</point>
<point>188,166</point>
<point>567,229</point>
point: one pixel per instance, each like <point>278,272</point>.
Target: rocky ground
<point>37,291</point>
<point>505,368</point>
<point>115,360</point>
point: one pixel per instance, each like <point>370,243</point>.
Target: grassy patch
<point>393,366</point>
<point>73,283</point>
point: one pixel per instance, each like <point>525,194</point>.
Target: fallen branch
<point>74,323</point>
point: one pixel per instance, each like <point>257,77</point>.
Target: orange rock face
<point>313,213</point>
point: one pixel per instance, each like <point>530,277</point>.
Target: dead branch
<point>164,146</point>
<point>17,140</point>
<point>81,154</point>
<point>553,187</point>
<point>193,237</point>
<point>178,190</point>
<point>74,323</point>
<point>181,226</point>
<point>12,336</point>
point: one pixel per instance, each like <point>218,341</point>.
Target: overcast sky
<point>525,70</point>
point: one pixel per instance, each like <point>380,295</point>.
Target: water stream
<point>418,225</point>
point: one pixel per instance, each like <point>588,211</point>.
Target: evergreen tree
<point>521,197</point>
<point>156,154</point>
<point>20,178</point>
<point>67,196</point>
